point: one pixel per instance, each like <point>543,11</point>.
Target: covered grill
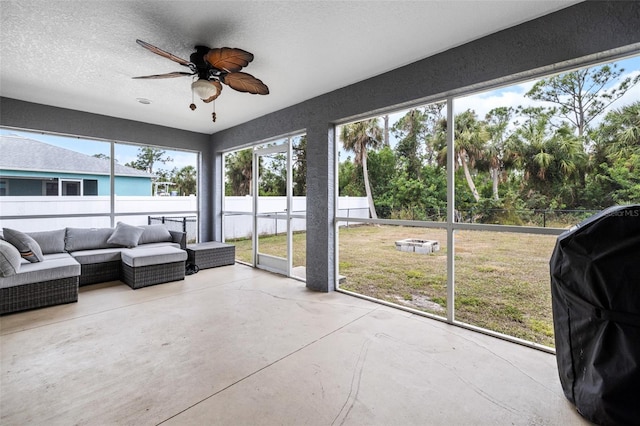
<point>595,285</point>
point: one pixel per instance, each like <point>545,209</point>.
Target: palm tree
<point>621,132</point>
<point>359,137</point>
<point>497,122</point>
<point>553,160</point>
<point>239,172</point>
<point>530,145</point>
<point>185,180</point>
<point>470,138</point>
<point>411,131</point>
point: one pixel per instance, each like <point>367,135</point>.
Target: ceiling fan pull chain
<point>193,105</point>
<point>213,115</point>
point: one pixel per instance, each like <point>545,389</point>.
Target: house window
<point>4,187</point>
<point>51,187</point>
<point>70,187</point>
<point>89,187</point>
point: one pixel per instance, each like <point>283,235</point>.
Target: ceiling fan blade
<point>228,59</point>
<point>243,82</point>
<point>167,55</point>
<point>167,75</point>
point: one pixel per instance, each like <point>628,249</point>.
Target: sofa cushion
<point>56,256</point>
<point>87,238</point>
<point>126,235</point>
<point>9,259</point>
<point>27,246</point>
<point>152,256</point>
<point>54,267</point>
<point>87,257</point>
<point>49,241</point>
<point>154,234</point>
<point>151,245</point>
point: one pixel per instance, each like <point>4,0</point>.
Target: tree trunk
<point>386,130</point>
<point>495,174</point>
<point>467,175</point>
<point>367,187</point>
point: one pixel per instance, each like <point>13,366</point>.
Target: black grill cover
<point>595,288</point>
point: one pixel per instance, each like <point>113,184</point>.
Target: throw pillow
<point>126,235</point>
<point>27,246</point>
<point>49,241</point>
<point>9,259</point>
<point>154,234</point>
<point>78,239</point>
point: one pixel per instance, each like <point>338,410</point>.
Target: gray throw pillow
<point>154,234</point>
<point>78,239</point>
<point>126,235</point>
<point>9,259</point>
<point>49,241</point>
<point>27,246</point>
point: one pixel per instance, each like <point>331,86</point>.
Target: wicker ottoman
<point>150,266</point>
<point>211,254</point>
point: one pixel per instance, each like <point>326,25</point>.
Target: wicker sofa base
<point>94,273</point>
<point>211,254</point>
<point>39,295</point>
<point>144,276</point>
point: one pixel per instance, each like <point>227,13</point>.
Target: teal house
<point>33,168</point>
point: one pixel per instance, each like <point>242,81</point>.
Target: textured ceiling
<point>82,54</point>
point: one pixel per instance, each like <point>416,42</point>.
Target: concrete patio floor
<point>239,346</point>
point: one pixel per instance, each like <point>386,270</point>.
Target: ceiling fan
<point>212,67</point>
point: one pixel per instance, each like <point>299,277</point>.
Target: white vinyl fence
<point>126,208</point>
<point>239,223</point>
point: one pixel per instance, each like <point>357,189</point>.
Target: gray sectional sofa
<point>40,269</point>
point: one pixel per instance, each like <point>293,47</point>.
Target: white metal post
<point>450,212</point>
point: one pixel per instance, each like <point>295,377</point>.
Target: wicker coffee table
<point>211,254</point>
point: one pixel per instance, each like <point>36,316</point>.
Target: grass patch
<point>442,301</point>
<point>487,269</point>
<point>413,274</point>
<point>543,327</point>
<point>468,301</point>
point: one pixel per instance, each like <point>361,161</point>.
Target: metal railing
<point>523,217</point>
<point>533,217</point>
<point>186,224</point>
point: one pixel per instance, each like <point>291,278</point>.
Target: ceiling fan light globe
<point>205,89</point>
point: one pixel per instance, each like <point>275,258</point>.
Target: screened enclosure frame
<point>283,144</point>
<point>450,225</point>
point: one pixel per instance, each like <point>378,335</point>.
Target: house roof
<point>20,153</point>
